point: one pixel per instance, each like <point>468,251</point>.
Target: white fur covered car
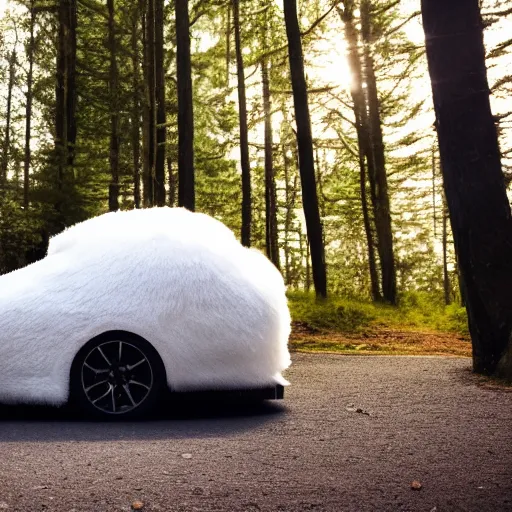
<point>130,302</point>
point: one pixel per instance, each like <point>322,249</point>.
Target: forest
<point>308,128</point>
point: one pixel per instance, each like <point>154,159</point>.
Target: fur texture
<point>215,311</point>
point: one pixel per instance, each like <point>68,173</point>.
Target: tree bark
<point>446,276</point>
<point>136,106</point>
<point>146,120</point>
<point>271,237</point>
<point>473,179</point>
<point>28,108</point>
<point>6,146</point>
<point>363,138</point>
<point>382,207</point>
<point>65,95</point>
<point>308,267</point>
<point>149,115</point>
<point>186,191</point>
<point>374,278</point>
<point>161,129</point>
<point>244,138</point>
<point>228,42</point>
<point>305,143</point>
<point>71,83</point>
<point>288,213</point>
<point>172,182</point>
<point>113,190</point>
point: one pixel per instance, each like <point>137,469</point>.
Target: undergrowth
<point>416,310</point>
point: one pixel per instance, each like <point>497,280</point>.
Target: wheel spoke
<point>120,351</point>
<point>104,356</point>
<point>110,389</point>
<point>137,383</point>
<point>113,399</point>
<point>126,388</point>
<point>96,370</point>
<point>130,367</point>
<point>95,384</point>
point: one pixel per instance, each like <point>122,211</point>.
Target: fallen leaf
<point>137,505</point>
<point>415,485</point>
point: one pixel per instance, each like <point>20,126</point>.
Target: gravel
<point>354,433</point>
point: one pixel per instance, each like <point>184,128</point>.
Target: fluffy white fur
<point>215,311</point>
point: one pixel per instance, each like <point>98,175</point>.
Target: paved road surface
<point>428,421</point>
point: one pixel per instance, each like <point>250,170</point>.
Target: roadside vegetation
<point>420,325</point>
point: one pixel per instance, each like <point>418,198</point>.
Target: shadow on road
<point>175,419</point>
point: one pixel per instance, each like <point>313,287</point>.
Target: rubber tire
<point>81,404</point>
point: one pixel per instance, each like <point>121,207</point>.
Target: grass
<point>421,325</point>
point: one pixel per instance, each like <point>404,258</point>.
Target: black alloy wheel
<point>117,375</point>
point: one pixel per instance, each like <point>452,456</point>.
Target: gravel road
<point>352,434</point>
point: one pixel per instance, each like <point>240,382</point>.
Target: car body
<point>214,312</point>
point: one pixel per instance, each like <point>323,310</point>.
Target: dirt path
<point>351,435</point>
<point>382,340</point>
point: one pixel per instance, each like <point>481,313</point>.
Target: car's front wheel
<point>117,375</point>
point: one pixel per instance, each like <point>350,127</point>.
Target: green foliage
<point>417,310</point>
<point>414,179</point>
<point>335,314</point>
<point>19,234</point>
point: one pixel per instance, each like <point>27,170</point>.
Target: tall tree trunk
<point>244,138</point>
<point>6,146</point>
<point>71,79</point>
<point>147,181</point>
<point>446,276</point>
<point>71,84</point>
<point>305,142</point>
<point>374,278</point>
<point>308,267</point>
<point>65,112</point>
<point>161,129</point>
<point>61,91</point>
<point>288,213</point>
<point>228,42</point>
<point>362,130</point>
<point>363,138</point>
<point>149,115</point>
<point>434,191</point>
<point>28,108</point>
<point>136,105</point>
<point>382,208</point>
<point>186,189</point>
<point>270,184</point>
<point>473,179</point>
<point>172,182</point>
<point>113,190</point>
<point>319,185</point>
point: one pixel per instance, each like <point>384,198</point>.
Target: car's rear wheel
<point>117,375</point>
